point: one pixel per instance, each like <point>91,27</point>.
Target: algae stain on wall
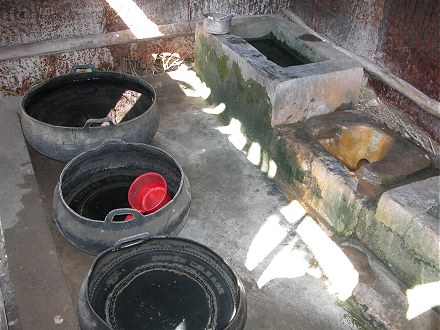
<point>247,101</point>
<point>345,217</point>
<point>289,167</point>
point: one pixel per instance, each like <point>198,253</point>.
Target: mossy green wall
<point>286,157</point>
<point>245,100</point>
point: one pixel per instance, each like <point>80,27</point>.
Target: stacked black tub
<point>100,123</point>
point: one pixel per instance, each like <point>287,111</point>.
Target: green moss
<point>314,189</point>
<point>245,99</point>
<point>222,66</point>
<point>357,315</point>
<point>345,217</point>
<point>288,165</point>
<point>240,83</point>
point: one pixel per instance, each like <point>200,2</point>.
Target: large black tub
<point>66,115</point>
<point>161,283</point>
<point>90,203</point>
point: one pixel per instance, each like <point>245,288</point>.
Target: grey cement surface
<point>236,210</point>
<point>33,283</point>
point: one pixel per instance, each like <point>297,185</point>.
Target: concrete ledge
<point>34,63</point>
<point>412,212</point>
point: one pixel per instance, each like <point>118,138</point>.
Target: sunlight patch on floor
<point>236,136</point>
<point>254,153</point>
<point>293,212</point>
<point>290,262</point>
<point>190,84</point>
<point>421,298</point>
<point>335,265</point>
<point>216,110</point>
<point>309,250</point>
<point>270,235</point>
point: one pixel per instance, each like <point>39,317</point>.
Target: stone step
<point>411,212</point>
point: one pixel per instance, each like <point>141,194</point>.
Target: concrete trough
<point>329,81</point>
<point>397,219</point>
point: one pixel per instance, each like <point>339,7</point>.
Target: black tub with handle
<point>90,202</point>
<point>66,115</point>
<point>161,283</point>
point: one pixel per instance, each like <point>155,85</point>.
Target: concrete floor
<point>237,210</point>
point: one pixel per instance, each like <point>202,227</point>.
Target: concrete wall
<point>399,35</point>
<point>65,26</point>
<point>26,21</point>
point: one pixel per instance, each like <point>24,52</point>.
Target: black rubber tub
<point>66,115</point>
<point>161,283</point>
<point>90,203</point>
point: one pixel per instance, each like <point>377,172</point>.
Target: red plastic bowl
<point>148,193</point>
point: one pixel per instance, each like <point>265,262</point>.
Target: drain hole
<point>362,162</point>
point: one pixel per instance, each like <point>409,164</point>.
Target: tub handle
<point>94,121</point>
<point>82,67</point>
<point>123,211</point>
<point>131,241</point>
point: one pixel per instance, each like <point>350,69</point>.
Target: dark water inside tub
<point>101,196</point>
<point>160,299</point>
<point>277,51</point>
